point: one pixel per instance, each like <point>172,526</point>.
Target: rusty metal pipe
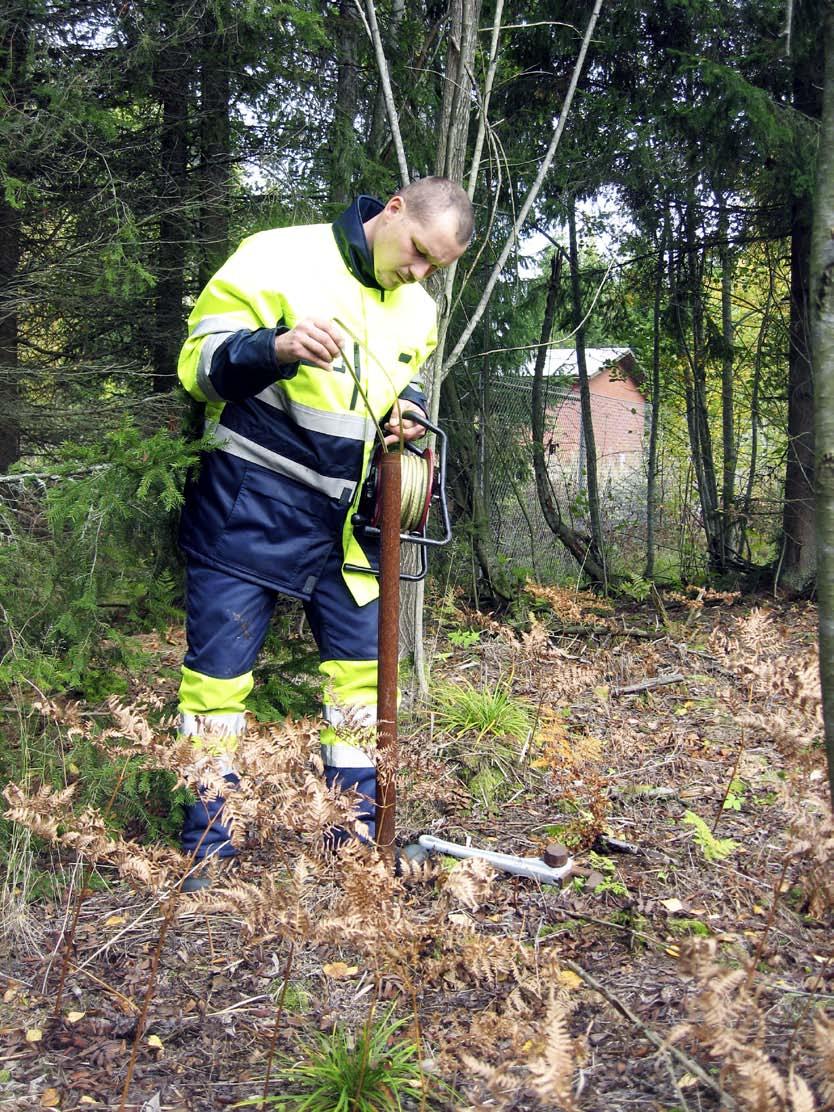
<point>390,493</point>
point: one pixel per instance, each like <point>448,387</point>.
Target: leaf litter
<point>661,976</point>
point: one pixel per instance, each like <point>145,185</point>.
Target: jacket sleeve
<point>245,363</point>
<point>230,351</point>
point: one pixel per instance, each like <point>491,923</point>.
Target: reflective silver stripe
<point>213,725</point>
<point>225,323</point>
<point>243,448</point>
<point>341,755</point>
<point>210,346</point>
<point>351,426</point>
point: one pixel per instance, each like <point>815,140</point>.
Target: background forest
<point>645,177</point>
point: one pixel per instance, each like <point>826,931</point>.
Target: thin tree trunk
<point>172,91</point>
<point>729,519</point>
<point>342,154</point>
<point>651,478</point>
<point>450,161</point>
<point>14,45</point>
<point>581,548</point>
<point>799,549</point>
<point>215,150</point>
<point>822,338</point>
<point>591,475</point>
<point>754,399</point>
<point>377,137</point>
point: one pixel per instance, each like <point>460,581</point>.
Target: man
<point>302,345</point>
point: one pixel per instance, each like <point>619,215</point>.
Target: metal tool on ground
<point>552,867</point>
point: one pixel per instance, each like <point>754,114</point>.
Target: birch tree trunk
<point>450,162</point>
<point>822,346</point>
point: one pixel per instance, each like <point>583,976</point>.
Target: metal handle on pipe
<point>532,867</point>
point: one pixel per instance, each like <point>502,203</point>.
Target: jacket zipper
<point>357,370</point>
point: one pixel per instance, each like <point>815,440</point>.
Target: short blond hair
<point>427,197</point>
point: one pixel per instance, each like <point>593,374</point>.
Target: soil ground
<point>640,718</point>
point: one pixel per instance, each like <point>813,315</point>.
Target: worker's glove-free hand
<point>313,341</point>
<point>411,430</point>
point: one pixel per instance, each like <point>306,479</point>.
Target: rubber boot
<point>363,781</point>
<point>205,836</point>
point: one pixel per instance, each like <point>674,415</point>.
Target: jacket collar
<point>350,239</point>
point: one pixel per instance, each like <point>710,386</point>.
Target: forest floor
<point>686,965</point>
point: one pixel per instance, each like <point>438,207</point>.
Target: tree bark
<point>14,44</point>
<point>822,340</point>
<point>171,88</point>
<point>651,475</point>
<point>729,518</point>
<point>798,561</point>
<point>591,472</point>
<point>215,149</point>
<point>581,548</point>
<point>343,146</point>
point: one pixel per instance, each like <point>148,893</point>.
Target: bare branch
<point>372,27</point>
<point>533,193</point>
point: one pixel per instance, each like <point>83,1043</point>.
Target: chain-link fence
<point>621,432</point>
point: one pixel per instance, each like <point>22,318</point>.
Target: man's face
<point>407,250</point>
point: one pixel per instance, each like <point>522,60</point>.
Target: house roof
<point>562,361</point>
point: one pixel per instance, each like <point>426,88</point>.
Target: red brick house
<point>619,410</point>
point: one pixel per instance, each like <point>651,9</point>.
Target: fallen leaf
<point>569,980</point>
<point>50,1098</point>
<point>156,1042</point>
<point>88,1100</point>
<point>687,1081</point>
<point>74,1017</point>
<point>34,1034</point>
<point>115,921</point>
<point>672,904</point>
<point>339,970</point>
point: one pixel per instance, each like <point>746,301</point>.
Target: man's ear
<point>395,206</point>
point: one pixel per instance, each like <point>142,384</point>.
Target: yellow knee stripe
<point>201,694</point>
<point>351,683</point>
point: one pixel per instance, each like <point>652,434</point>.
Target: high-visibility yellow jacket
<point>295,441</point>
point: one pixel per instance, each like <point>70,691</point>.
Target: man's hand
<point>411,430</point>
<point>313,341</point>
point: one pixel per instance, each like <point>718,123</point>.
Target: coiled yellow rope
<point>416,482</point>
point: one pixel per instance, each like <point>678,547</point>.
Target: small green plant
<point>735,795</point>
<point>713,849</point>
<point>464,708</point>
<point>688,926</point>
<point>465,638</point>
<point>296,997</point>
<point>369,1071</point>
<point>609,883</point>
<point>635,587</point>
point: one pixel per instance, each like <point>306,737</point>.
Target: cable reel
<point>423,484</point>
